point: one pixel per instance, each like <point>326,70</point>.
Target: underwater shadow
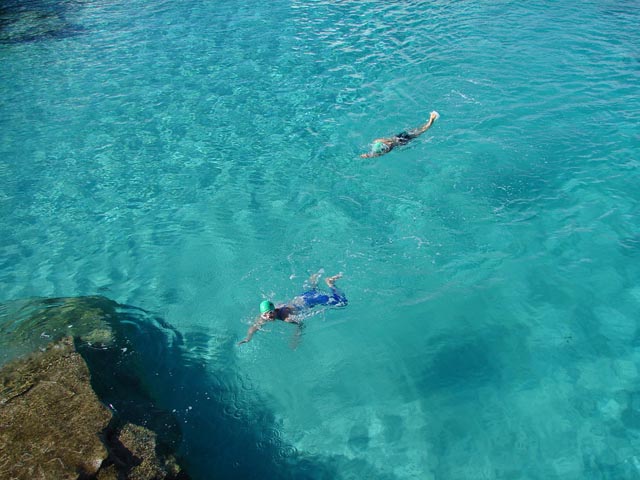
<point>186,388</point>
<point>215,424</point>
<point>34,21</point>
<point>463,364</point>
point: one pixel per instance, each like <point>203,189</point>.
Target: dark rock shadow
<point>36,20</point>
<point>217,428</point>
<point>200,407</point>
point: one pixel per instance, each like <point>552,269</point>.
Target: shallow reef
<point>52,422</point>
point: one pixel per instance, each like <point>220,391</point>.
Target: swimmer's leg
<point>312,282</point>
<point>337,297</point>
<point>332,280</point>
<point>315,297</point>
<point>432,118</point>
<point>310,299</point>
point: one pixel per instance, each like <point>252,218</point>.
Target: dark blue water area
<point>203,409</point>
<point>37,20</point>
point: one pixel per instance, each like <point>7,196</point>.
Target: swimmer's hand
<point>371,154</point>
<point>435,115</point>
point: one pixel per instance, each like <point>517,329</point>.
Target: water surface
<point>193,158</point>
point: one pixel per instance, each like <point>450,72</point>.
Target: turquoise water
<point>192,158</point>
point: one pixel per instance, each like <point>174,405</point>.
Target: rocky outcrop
<point>53,426</point>
<point>32,324</point>
<point>50,418</point>
<point>134,455</point>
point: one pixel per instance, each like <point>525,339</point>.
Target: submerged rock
<point>166,396</point>
<point>31,324</point>
<point>22,22</point>
<point>50,418</point>
<point>61,361</point>
<point>135,448</point>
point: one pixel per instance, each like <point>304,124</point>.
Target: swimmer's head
<point>266,306</point>
<point>379,147</point>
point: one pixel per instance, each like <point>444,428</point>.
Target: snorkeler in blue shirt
<point>380,146</point>
<point>289,312</point>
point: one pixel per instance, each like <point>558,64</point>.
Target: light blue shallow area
<point>192,158</point>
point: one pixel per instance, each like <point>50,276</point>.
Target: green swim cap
<point>266,306</point>
<point>379,147</point>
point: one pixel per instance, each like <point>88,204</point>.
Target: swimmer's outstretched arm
<point>252,330</point>
<point>295,340</point>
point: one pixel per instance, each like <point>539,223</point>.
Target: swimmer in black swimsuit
<point>290,312</point>
<point>380,146</point>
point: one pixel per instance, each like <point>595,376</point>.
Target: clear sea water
<point>192,158</point>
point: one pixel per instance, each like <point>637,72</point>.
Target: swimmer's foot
<point>331,280</point>
<point>313,279</point>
